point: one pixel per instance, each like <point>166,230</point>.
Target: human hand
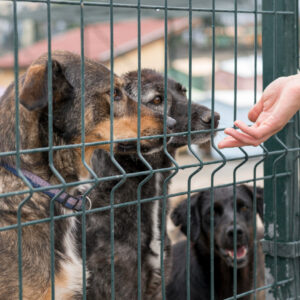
<point>279,102</point>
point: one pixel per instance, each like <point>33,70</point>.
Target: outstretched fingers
<point>261,130</point>
<point>230,142</point>
<point>243,138</point>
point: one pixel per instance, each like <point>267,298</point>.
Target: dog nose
<point>171,122</point>
<point>206,118</point>
<point>230,232</point>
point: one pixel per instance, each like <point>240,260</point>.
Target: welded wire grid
<point>280,155</point>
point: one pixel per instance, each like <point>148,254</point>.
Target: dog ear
<point>129,79</point>
<point>179,217</point>
<point>259,198</point>
<point>34,91</point>
<point>260,202</point>
<point>180,88</point>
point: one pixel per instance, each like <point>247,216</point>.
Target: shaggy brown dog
<point>35,243</point>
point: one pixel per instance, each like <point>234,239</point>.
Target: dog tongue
<point>240,252</point>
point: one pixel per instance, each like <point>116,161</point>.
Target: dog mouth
<point>145,148</point>
<point>196,138</point>
<point>126,147</point>
<point>241,253</point>
<point>201,140</point>
<point>241,256</point>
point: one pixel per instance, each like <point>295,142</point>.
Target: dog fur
<point>223,239</point>
<point>125,218</point>
<point>33,128</point>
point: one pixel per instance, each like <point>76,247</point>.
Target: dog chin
<point>152,150</point>
<point>157,149</point>
<point>145,150</point>
<point>241,256</point>
<point>202,140</point>
<point>180,141</point>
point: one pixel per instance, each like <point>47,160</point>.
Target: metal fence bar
<point>111,153</point>
<point>188,229</point>
<point>160,7</point>
<point>254,211</point>
<point>140,156</point>
<point>182,167</point>
<point>189,144</point>
<point>166,152</point>
<point>223,161</point>
<point>255,241</point>
<point>134,202</point>
<point>235,169</point>
<point>17,141</point>
<point>50,153</point>
<point>297,31</point>
<point>295,207</point>
<point>112,215</point>
<point>278,192</point>
<point>46,149</point>
<point>248,293</point>
<point>83,216</point>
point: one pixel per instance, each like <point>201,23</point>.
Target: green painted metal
<point>167,180</point>
<point>280,58</point>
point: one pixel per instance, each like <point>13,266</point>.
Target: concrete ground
<point>203,177</point>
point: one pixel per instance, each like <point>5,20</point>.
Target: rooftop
<point>97,40</point>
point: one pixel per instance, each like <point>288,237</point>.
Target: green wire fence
<point>282,194</point>
<point>280,156</point>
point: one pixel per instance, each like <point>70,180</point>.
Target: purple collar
<point>64,199</point>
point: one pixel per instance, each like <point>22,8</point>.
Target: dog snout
<point>171,123</point>
<point>206,118</point>
<point>239,232</point>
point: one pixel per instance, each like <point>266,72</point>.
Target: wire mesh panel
<point>111,182</point>
<point>282,194</point>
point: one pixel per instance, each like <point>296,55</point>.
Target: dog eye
<point>157,100</point>
<point>117,94</point>
<point>183,90</point>
<point>218,210</point>
<point>243,208</point>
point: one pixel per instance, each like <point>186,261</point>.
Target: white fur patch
<point>85,186</point>
<point>71,266</point>
<point>158,149</point>
<point>155,243</point>
<point>82,188</point>
<point>149,96</point>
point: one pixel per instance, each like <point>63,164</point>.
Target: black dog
<point>223,240</point>
<point>125,224</point>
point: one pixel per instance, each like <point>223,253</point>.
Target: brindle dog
<point>125,218</point>
<point>33,127</point>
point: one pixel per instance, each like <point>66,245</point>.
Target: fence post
<point>282,226</point>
